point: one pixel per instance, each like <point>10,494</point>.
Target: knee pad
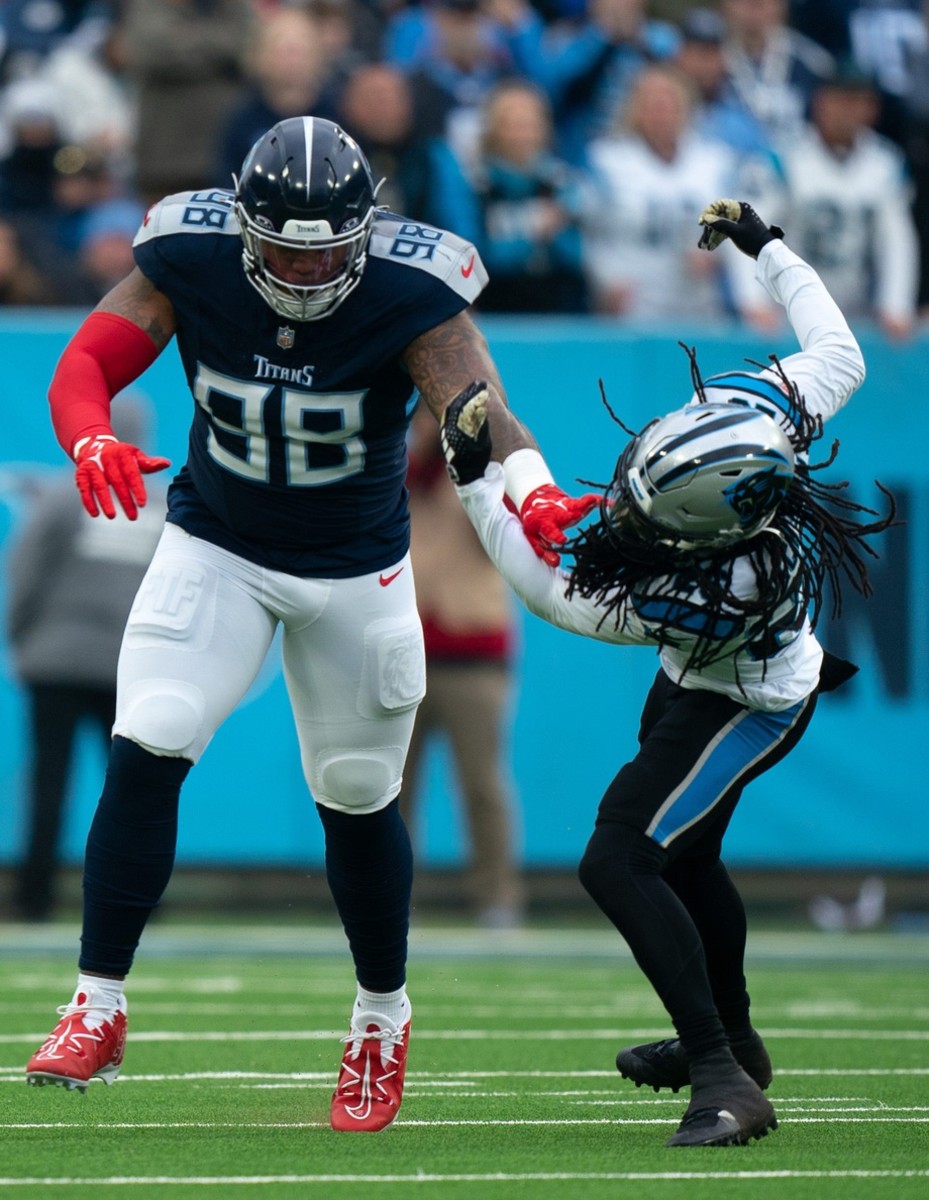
<point>163,716</point>
<point>358,782</point>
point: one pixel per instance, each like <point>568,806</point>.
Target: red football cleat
<point>370,1088</point>
<point>73,1054</point>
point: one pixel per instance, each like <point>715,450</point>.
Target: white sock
<point>395,1006</point>
<point>99,997</point>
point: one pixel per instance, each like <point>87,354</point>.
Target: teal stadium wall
<point>852,795</point>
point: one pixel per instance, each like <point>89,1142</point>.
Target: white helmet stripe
<point>308,139</point>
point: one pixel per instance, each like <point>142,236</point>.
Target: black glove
<point>736,220</point>
<point>465,434</point>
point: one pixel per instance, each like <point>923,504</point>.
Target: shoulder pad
<point>438,252</point>
<point>762,392</point>
<point>208,211</point>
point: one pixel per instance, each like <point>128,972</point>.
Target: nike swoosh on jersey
<point>384,580</point>
<point>466,271</point>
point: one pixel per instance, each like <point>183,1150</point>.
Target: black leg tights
<point>706,890</point>
<point>130,854</point>
<point>622,869</point>
<point>369,866</point>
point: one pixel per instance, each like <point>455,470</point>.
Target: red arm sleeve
<point>105,355</point>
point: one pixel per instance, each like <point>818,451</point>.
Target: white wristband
<point>523,472</point>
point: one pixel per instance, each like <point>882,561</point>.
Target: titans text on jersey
<point>297,451</point>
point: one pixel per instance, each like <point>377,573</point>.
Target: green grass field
<point>511,1090</point>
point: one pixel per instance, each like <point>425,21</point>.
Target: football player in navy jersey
<point>714,544</point>
<point>305,318</point>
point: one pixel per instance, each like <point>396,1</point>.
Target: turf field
<point>511,1090</point>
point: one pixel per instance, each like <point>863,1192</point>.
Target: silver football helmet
<point>305,202</point>
<point>703,477</point>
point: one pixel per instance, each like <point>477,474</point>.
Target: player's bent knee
<point>359,783</point>
<point>163,717</point>
<point>616,851</point>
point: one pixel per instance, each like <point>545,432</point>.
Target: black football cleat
<point>659,1064</point>
<point>728,1110</point>
<point>664,1064</point>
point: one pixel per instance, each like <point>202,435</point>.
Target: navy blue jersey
<point>297,451</point>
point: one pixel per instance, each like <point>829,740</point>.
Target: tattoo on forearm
<point>446,359</point>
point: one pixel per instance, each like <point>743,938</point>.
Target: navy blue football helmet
<point>305,202</point>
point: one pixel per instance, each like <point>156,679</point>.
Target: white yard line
<point>613,1034</point>
<point>423,1177</point>
<point>456,1078</point>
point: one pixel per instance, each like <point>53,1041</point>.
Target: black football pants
<point>653,862</point>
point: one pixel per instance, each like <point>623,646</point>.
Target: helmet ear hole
<point>706,476</point>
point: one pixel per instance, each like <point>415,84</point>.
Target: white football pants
<point>201,626</point>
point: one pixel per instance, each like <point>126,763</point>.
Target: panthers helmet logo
<point>756,495</point>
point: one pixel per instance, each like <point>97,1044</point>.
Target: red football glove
<point>547,512</point>
<point>104,463</point>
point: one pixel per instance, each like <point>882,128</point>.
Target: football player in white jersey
<point>654,170</point>
<point>305,318</point>
<point>848,201</point>
<point>713,543</point>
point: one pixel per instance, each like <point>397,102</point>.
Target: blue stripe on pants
<point>738,747</point>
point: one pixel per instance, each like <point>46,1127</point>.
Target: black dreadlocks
<point>813,539</point>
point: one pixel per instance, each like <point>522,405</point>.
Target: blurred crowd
<point>573,141</point>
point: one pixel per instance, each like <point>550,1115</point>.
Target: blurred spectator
<point>350,31</point>
<point>718,113</point>
<point>422,178</point>
<point>105,249</point>
<point>670,10</point>
<point>356,24</point>
<point>531,205</point>
<point>772,68</point>
<point>21,282</point>
<point>288,69</point>
<point>94,104</point>
<point>462,53</point>
<point>916,144</point>
<point>72,581</point>
<point>586,61</point>
<point>882,36</point>
<point>83,181</point>
<point>468,626</point>
<point>186,61</point>
<point>33,137</point>
<point>30,30</point>
<point>414,32</point>
<point>642,254</point>
<point>48,183</point>
<point>84,192</point>
<point>848,206</point>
